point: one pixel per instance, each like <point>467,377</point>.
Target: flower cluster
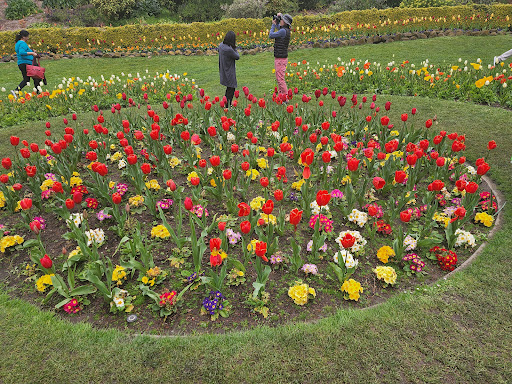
<point>233,237</point>
<point>168,300</point>
<point>410,243</point>
<point>316,209</point>
<point>464,238</point>
<point>164,203</point>
<point>358,217</point>
<point>118,275</point>
<point>44,282</point>
<point>97,235</point>
<point>484,218</point>
<point>101,215</point>
<point>76,219</point>
<point>309,247</point>
<point>199,210</point>
<point>300,293</point>
<point>310,269</point>
<point>325,223</point>
<point>447,259</point>
<point>388,274</point>
<point>384,253</point>
<point>72,307</point>
<point>414,262</point>
<point>277,259</point>
<point>136,201</point>
<point>383,227</point>
<point>160,231</point>
<point>352,289</point>
<point>347,258</point>
<point>10,241</point>
<point>359,241</point>
<point>214,302</point>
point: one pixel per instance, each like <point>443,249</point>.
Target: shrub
<point>18,9</point>
<point>283,6</point>
<point>197,10</point>
<point>167,4</point>
<point>312,4</point>
<point>84,16</point>
<point>148,7</point>
<point>115,9</point>
<point>426,3</point>
<point>351,5</point>
<point>242,9</point>
<point>54,4</point>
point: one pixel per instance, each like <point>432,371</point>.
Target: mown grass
<point>455,331</point>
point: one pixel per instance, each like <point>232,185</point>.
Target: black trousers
<point>230,92</point>
<point>26,79</point>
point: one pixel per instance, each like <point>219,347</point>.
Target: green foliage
<point>241,9</point>
<point>195,10</point>
<point>115,9</point>
<point>53,4</point>
<point>283,6</point>
<point>18,9</point>
<point>312,4</point>
<point>351,5</point>
<point>426,3</point>
<point>148,7</point>
<point>82,16</point>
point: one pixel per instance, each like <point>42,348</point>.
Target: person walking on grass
<point>227,69</point>
<point>25,55</point>
<point>281,34</point>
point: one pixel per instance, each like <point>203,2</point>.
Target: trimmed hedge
<point>254,32</point>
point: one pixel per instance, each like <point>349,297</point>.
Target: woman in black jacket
<point>227,70</point>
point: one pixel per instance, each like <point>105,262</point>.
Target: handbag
<point>35,70</point>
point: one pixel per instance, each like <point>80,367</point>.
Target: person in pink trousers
<point>281,34</point>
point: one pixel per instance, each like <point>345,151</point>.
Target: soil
<point>12,25</point>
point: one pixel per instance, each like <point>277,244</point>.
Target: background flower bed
<point>316,117</point>
<point>253,32</point>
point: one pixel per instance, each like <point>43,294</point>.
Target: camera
<point>277,18</point>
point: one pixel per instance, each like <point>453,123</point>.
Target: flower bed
<point>254,32</point>
<point>261,213</point>
<point>463,80</point>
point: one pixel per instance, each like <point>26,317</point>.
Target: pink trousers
<point>280,67</point>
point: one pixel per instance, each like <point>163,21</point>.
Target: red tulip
<point>188,203</point>
<point>278,195</point>
<point>245,227</point>
<point>471,187</point>
<point>215,161</point>
<point>411,160</point>
<point>384,120</point>
<point>460,184</point>
<point>46,262</point>
<point>372,210</point>
<point>261,250</point>
<point>482,169</point>
<point>146,168</point>
<point>222,225</point>
<point>4,179</point>
<point>6,163</point>
<point>26,204</point>
<point>460,212</point>
<point>326,157</point>
<point>245,209</point>
<point>428,123</point>
<point>352,164</point>
<point>404,117</point>
<point>295,217</point>
<point>268,207</point>
<point>171,184</point>
<point>194,181</point>
<point>322,198</point>
<point>215,244</point>
<point>15,140</point>
<point>215,259</point>
<point>264,182</point>
<point>77,197</point>
<point>405,216</point>
<point>378,182</point>
<point>31,170</point>
<point>491,145</point>
<point>57,187</point>
<point>348,241</point>
<point>116,198</point>
<point>440,161</point>
<point>70,204</point>
<point>35,226</point>
<point>227,174</point>
<point>245,166</point>
<point>400,176</point>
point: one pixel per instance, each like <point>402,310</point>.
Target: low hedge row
<point>253,32</point>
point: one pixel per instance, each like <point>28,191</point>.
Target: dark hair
<point>230,39</point>
<point>23,33</point>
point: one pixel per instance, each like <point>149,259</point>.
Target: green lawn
<point>456,331</point>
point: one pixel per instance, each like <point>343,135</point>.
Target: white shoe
<point>15,95</point>
<point>496,60</point>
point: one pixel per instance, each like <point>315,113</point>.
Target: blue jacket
<point>21,49</point>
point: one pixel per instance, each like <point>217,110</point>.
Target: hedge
<point>254,32</point>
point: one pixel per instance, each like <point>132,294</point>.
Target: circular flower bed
<point>262,213</point>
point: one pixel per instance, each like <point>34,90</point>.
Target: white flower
<point>119,302</point>
<point>121,164</point>
<point>3,89</point>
